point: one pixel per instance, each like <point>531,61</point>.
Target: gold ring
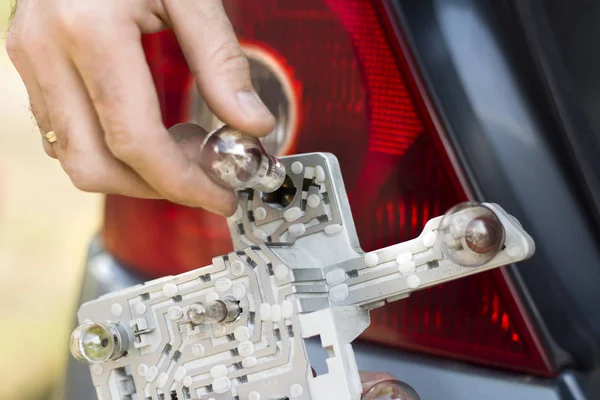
<point>50,137</point>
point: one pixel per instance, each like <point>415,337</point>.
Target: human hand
<point>88,81</point>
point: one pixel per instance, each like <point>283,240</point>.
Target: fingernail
<point>252,105</point>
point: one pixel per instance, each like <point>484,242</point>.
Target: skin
<point>86,74</point>
<point>87,79</point>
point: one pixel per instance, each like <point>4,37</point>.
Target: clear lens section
<point>239,161</point>
<point>472,234</point>
<point>391,390</point>
<point>93,343</point>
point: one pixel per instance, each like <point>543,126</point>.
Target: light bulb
<point>94,342</point>
<point>391,389</point>
<point>238,161</point>
<point>472,234</point>
<point>214,312</point>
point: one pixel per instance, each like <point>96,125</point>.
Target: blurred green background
<point>45,226</point>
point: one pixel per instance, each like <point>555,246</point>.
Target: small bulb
<point>238,161</point>
<point>94,342</point>
<point>213,312</point>
<point>390,390</point>
<point>472,234</point>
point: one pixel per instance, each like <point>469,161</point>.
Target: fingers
<point>80,143</point>
<point>40,114</point>
<point>20,55</point>
<point>88,80</point>
<point>219,64</point>
<point>37,105</point>
<point>123,95</point>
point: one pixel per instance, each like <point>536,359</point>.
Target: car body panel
<point>503,132</point>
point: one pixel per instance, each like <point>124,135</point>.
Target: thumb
<point>219,65</point>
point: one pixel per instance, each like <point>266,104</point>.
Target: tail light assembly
<point>338,77</point>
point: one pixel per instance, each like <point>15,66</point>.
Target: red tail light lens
<point>342,81</point>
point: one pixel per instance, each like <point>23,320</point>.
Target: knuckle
<point>73,20</point>
<point>13,46</point>
<point>80,21</point>
<point>122,143</point>
<point>26,38</point>
<point>81,177</point>
<point>122,138</point>
<point>31,44</point>
<point>229,57</point>
<point>203,10</point>
<point>48,150</point>
<point>24,45</point>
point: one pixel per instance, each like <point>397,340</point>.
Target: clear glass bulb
<point>472,234</point>
<point>238,161</point>
<point>213,312</point>
<point>94,342</point>
<point>390,390</point>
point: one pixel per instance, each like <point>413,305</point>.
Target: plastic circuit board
<point>236,329</point>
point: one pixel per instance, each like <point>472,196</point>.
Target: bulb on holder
<point>472,234</point>
<point>94,342</point>
<point>214,312</point>
<point>238,161</point>
<point>382,386</point>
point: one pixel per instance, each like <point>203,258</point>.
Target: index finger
<point>218,63</point>
<point>120,84</point>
